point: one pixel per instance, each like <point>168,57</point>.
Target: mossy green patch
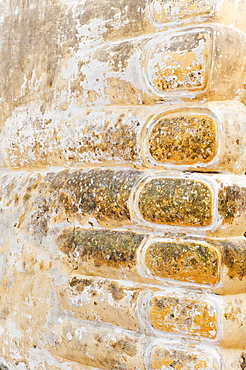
<point>183,261</point>
<point>104,247</point>
<point>177,202</point>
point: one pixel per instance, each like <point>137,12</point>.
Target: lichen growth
<point>102,193</point>
<point>79,284</point>
<point>94,138</point>
<point>78,195</point>
<point>234,258</point>
<point>176,202</point>
<point>110,248</point>
<point>184,139</point>
<point>183,261</point>
<point>116,141</point>
<point>231,201</point>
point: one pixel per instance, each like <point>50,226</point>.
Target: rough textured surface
<point>169,11</point>
<point>170,71</point>
<point>181,359</point>
<point>154,311</point>
<point>109,248</point>
<point>176,202</point>
<point>212,138</point>
<point>189,201</point>
<point>183,65</point>
<point>185,261</point>
<point>116,253</point>
<point>78,195</point>
<point>107,348</point>
<point>219,265</point>
<point>196,135</point>
<point>126,198</point>
<point>51,73</point>
<point>186,316</point>
<point>102,300</point>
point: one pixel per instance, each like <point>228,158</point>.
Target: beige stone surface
<point>202,204</point>
<point>59,79</point>
<point>156,312</point>
<point>214,265</point>
<point>178,66</point>
<point>174,13</point>
<point>105,347</point>
<point>135,349</point>
<point>122,186</point>
<point>202,137</point>
<point>43,45</point>
<point>156,353</point>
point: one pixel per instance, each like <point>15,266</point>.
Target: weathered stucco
<point>122,185</point>
<point>132,136</point>
<point>217,264</point>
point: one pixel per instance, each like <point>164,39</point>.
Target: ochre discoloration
<point>234,258</point>
<point>183,138</point>
<point>174,201</point>
<point>110,248</point>
<point>60,58</point>
<point>102,193</point>
<point>233,321</point>
<point>153,68</point>
<point>183,316</point>
<point>44,69</point>
<point>183,261</point>
<point>234,309</point>
<point>231,202</point>
<point>173,10</point>
<point>181,63</point>
<point>107,197</point>
<point>79,284</point>
<point>114,141</point>
<point>78,195</point>
<point>183,358</point>
<point>135,136</point>
<point>194,261</point>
